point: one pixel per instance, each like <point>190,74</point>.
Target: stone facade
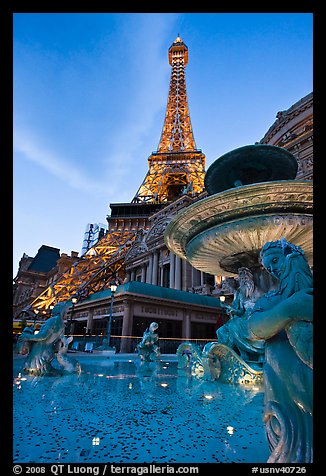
<point>37,273</point>
<point>293,130</point>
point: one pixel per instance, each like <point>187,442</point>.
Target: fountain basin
<point>119,411</point>
<point>224,231</point>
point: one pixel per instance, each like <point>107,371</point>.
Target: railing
<point>168,345</point>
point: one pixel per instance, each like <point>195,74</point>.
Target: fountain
<point>148,349</point>
<point>225,231</point>
<point>47,351</point>
<point>257,217</point>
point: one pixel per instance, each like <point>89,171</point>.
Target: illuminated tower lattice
<point>177,165</point>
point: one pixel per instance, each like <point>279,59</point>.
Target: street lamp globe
<point>113,288</point>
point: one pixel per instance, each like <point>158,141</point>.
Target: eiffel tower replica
<point>177,164</point>
<point>175,168</point>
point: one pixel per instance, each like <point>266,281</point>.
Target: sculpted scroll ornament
<point>216,362</point>
<point>158,229</point>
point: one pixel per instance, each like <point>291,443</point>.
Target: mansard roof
<point>45,259</point>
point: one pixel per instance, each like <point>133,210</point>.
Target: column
<point>186,326</point>
<point>195,276</point>
<point>126,326</point>
<point>155,268</point>
<point>202,278</point>
<point>132,275</point>
<point>161,275</point>
<point>149,270</point>
<point>177,282</point>
<point>89,325</point>
<point>143,274</point>
<point>172,269</point>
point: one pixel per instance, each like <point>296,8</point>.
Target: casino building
<point>153,283</point>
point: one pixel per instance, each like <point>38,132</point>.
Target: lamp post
<point>74,300</point>
<point>222,299</point>
<point>36,311</point>
<point>113,289</point>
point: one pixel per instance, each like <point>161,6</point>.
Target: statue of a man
<point>283,319</point>
<point>230,333</point>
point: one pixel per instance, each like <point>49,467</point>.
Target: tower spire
<point>177,166</point>
<point>177,134</point>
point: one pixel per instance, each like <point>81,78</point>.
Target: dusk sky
<point>90,94</point>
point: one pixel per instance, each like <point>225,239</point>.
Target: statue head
<point>60,308</point>
<point>286,262</point>
<point>230,285</point>
<point>153,327</point>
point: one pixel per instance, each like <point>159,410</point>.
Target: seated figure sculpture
<point>244,300</point>
<point>148,350</point>
<point>41,348</point>
<point>282,318</point>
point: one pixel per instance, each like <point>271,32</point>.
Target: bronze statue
<point>283,319</point>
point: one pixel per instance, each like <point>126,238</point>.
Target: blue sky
<point>90,93</point>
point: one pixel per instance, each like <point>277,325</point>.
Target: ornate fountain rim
<point>265,198</point>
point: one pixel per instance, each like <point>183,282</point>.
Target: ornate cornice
<point>292,196</point>
<point>284,117</point>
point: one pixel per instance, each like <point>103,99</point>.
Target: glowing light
<point>100,375</point>
<point>130,385</point>
<point>208,397</point>
<point>164,385</point>
<point>95,441</point>
<point>300,405</point>
<point>222,298</point>
<point>230,430</point>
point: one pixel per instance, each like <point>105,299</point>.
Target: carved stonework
<point>233,368</point>
<point>293,131</point>
<point>242,218</point>
<point>217,362</point>
<point>158,229</point>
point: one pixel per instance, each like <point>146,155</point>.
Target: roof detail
<point>145,289</point>
<point>45,259</point>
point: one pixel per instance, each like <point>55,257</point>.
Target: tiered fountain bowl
<point>252,198</point>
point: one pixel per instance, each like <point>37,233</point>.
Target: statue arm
<point>39,337</point>
<point>44,334</point>
<point>230,309</point>
<point>266,324</point>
